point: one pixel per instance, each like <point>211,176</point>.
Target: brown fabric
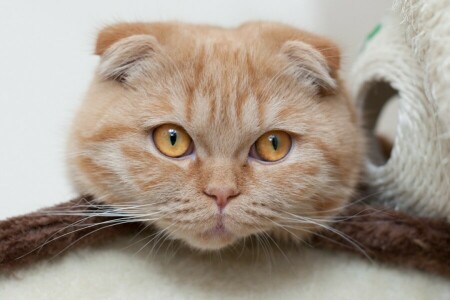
<point>36,236</point>
<point>384,235</point>
<point>393,237</point>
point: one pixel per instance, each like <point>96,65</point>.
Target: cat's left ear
<point>312,65</point>
<point>125,50</point>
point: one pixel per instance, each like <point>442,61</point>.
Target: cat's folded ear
<point>313,65</point>
<point>123,49</point>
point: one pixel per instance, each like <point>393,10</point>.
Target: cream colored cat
<point>215,134</point>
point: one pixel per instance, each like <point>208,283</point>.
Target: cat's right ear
<point>124,49</point>
<point>309,64</point>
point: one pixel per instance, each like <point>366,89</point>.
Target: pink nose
<point>222,195</point>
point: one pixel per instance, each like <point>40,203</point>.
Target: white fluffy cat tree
<point>408,56</point>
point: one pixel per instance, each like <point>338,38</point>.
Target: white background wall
<point>46,63</point>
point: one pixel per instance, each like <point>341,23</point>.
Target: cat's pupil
<point>172,136</point>
<point>274,140</point>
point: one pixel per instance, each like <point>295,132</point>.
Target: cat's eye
<point>272,146</point>
<point>172,140</point>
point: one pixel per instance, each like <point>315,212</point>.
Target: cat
<point>216,134</point>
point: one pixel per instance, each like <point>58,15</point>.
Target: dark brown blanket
<point>384,235</point>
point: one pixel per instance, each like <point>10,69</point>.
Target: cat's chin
<point>210,244</point>
<point>211,240</point>
<point>216,243</point>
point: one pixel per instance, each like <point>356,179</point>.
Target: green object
<point>371,35</point>
<point>374,32</point>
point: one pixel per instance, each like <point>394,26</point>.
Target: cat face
<point>214,134</point>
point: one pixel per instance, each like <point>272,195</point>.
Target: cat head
<point>216,134</point>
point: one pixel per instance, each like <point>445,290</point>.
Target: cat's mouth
<point>218,230</point>
<point>214,238</point>
<point>214,232</point>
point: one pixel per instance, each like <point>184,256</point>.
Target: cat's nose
<point>222,195</point>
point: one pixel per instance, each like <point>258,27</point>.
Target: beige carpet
<point>117,272</point>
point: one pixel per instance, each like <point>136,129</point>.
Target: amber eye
<point>272,146</point>
<point>172,140</point>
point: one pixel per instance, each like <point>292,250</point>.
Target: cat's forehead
<point>225,101</point>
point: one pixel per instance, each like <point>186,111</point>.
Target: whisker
<point>333,230</point>
<point>86,235</point>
